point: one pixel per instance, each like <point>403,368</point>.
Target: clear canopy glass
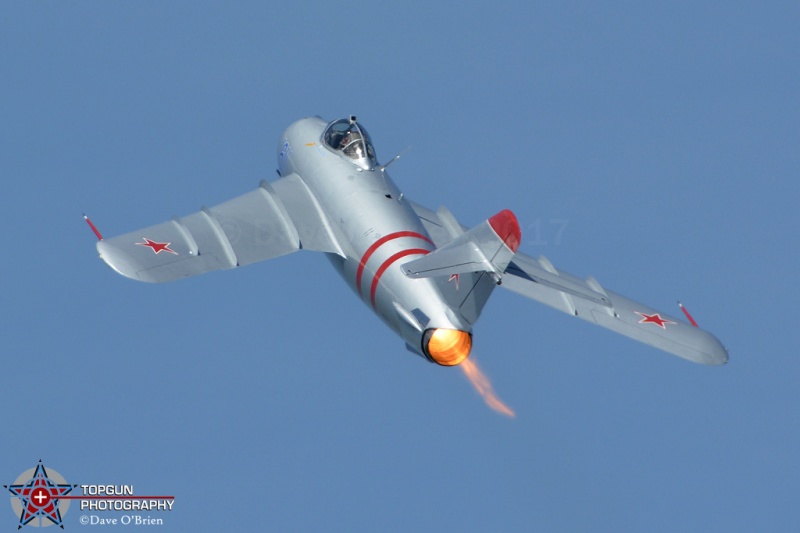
<point>351,139</point>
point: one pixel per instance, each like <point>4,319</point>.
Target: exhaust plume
<point>484,387</point>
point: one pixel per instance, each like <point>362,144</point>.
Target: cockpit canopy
<point>351,139</point>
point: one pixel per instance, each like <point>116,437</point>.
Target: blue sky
<point>654,147</point>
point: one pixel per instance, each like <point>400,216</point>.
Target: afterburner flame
<point>448,347</point>
<point>484,387</point>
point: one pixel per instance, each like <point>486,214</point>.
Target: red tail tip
<point>506,226</point>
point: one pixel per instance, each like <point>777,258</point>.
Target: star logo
<point>453,277</point>
<point>38,496</point>
<point>654,319</point>
<point>157,247</point>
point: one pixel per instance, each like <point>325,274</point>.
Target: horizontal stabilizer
<point>469,264</point>
<point>445,262</point>
<point>488,247</point>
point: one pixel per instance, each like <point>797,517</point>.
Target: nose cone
<point>447,347</point>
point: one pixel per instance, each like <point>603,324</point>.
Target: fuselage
<point>377,231</point>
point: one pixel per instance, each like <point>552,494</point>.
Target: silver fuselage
<point>376,229</point>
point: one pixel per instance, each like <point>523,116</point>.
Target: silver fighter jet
<point>424,274</point>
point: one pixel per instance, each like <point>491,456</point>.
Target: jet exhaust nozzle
<point>446,347</point>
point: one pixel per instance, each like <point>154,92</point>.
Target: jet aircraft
<point>423,273</point>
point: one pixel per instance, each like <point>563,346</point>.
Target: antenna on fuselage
<point>382,170</point>
<point>395,158</point>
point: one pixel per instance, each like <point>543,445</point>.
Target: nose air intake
<point>447,347</point>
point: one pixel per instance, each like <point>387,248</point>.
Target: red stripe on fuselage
<point>377,244</point>
<point>386,264</point>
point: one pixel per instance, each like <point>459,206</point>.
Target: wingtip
<point>715,354</point>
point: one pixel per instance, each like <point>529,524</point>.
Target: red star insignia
<point>157,247</point>
<point>654,319</point>
<point>454,277</point>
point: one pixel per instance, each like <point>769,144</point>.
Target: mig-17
<point>423,273</point>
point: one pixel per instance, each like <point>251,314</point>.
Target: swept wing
<point>539,280</point>
<point>274,220</point>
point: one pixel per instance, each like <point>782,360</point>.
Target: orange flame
<point>484,387</point>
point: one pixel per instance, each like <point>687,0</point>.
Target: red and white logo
<point>38,497</point>
<point>157,247</point>
<point>655,318</point>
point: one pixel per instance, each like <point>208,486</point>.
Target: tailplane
<point>468,268</point>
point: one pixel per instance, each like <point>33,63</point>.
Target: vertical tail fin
<point>468,268</point>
